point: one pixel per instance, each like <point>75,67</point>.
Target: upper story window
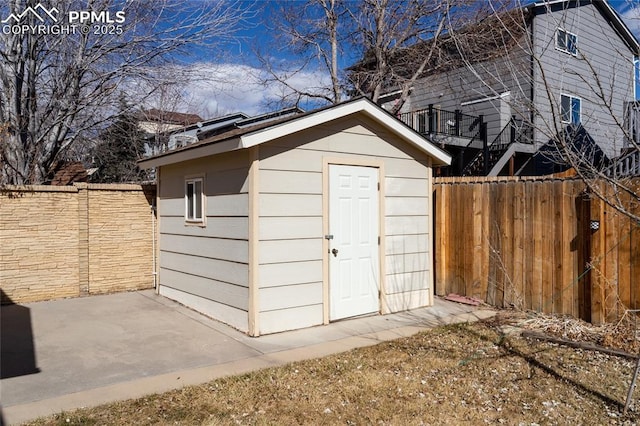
<point>193,198</point>
<point>566,41</point>
<point>570,109</point>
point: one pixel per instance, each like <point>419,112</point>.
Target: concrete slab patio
<point>72,353</point>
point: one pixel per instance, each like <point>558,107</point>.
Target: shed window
<point>570,109</point>
<point>566,42</point>
<point>193,200</point>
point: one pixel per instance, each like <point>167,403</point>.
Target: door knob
<point>335,252</point>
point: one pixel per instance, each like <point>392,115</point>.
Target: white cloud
<point>219,89</point>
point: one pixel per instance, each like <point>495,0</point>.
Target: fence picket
<point>528,242</point>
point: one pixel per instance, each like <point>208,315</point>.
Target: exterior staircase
<point>493,157</point>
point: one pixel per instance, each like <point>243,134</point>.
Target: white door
<point>353,251</point>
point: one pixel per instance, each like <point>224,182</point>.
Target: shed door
<point>353,252</point>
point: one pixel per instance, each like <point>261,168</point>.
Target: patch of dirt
<point>622,335</point>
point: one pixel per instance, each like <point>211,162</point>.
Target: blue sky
<point>628,10</point>
<point>236,86</point>
<point>233,79</point>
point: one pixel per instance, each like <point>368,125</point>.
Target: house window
<point>193,198</point>
<point>566,42</point>
<point>570,109</point>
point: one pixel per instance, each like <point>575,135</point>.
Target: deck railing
<point>434,121</point>
<point>625,166</point>
<point>516,131</point>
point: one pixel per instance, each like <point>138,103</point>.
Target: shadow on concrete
<point>17,349</point>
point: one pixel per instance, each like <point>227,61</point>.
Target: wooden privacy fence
<point>547,245</point>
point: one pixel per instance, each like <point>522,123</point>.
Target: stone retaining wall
<point>68,241</point>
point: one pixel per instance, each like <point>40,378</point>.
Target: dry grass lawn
<point>465,374</point>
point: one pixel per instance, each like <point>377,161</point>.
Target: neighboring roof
<point>213,122</point>
<point>246,121</point>
<point>168,117</point>
<point>71,172</point>
<point>588,155</point>
<point>490,37</point>
<point>242,138</point>
<point>269,116</point>
<point>207,128</point>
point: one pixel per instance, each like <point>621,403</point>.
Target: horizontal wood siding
<point>290,273</point>
<point>289,250</point>
<point>290,182</point>
<point>601,74</point>
<point>207,266</point>
<point>221,270</point>
<point>408,281</point>
<point>290,246</point>
<point>290,224</point>
<point>407,300</point>
<point>288,228</point>
<point>227,294</point>
<point>208,247</point>
<point>406,225</point>
<point>290,205</point>
<point>227,314</point>
<point>462,88</point>
<point>290,318</point>
<point>236,228</point>
<point>284,297</point>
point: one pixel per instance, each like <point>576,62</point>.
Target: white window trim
<point>566,42</point>
<point>636,64</point>
<point>196,220</point>
<point>571,98</point>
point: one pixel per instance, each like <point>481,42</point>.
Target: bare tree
<point>399,40</point>
<point>575,93</point>
<point>60,85</point>
<point>319,32</point>
<point>315,34</point>
<point>573,101</point>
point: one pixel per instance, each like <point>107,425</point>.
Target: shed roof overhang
<point>238,139</point>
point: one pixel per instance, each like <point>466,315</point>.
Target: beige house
<point>155,121</point>
<point>299,221</point>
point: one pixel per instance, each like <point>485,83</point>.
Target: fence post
<point>83,238</point>
<point>458,118</point>
<point>583,246</point>
<point>597,260</point>
<point>439,231</point>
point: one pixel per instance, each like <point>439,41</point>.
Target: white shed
<point>299,221</point>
